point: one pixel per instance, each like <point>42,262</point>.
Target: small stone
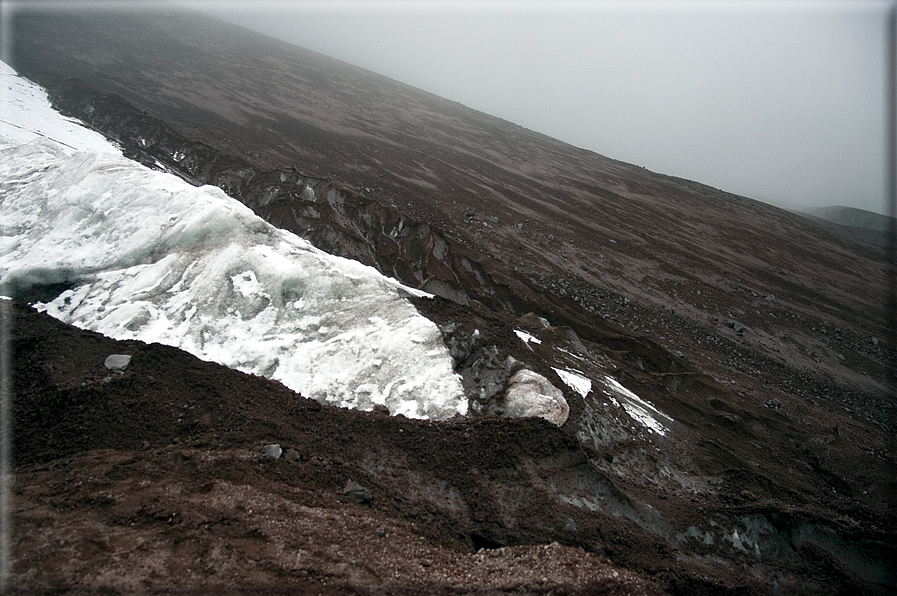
<point>117,362</point>
<point>358,493</point>
<point>273,450</point>
<point>735,326</point>
<point>291,455</point>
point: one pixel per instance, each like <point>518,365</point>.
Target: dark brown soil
<point>154,481</point>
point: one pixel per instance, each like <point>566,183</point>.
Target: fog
<point>782,101</point>
<point>779,101</point>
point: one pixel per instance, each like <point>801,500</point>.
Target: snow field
<point>26,114</point>
<point>147,256</point>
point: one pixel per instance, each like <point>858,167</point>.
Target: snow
<point>637,408</point>
<point>147,256</point>
<point>575,381</point>
<point>526,337</point>
<point>26,114</point>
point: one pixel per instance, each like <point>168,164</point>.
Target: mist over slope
<point>853,217</point>
<point>860,224</point>
<point>728,366</point>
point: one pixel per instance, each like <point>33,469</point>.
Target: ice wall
<point>150,257</point>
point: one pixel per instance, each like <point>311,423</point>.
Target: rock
<point>380,410</point>
<point>291,455</point>
<point>485,377</point>
<point>358,493</point>
<point>770,298</point>
<point>774,404</point>
<point>273,450</point>
<point>446,290</point>
<point>534,320</point>
<point>735,326</point>
<point>118,362</point>
<point>530,394</point>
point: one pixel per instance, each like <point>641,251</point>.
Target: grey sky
<point>782,101</point>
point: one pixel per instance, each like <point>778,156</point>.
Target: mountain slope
<point>729,366</point>
<point>526,213</point>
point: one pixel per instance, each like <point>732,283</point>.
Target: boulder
<point>735,326</point>
<point>358,493</point>
<point>530,394</point>
<point>118,362</point>
<point>273,450</point>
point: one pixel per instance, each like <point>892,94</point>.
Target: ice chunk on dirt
<point>530,394</point>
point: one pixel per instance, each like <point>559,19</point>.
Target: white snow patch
<point>575,381</point>
<point>27,115</point>
<point>526,337</point>
<point>150,257</point>
<point>637,408</point>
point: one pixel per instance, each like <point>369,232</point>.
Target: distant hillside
<point>855,218</point>
<point>858,223</point>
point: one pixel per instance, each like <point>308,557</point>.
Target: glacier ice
<point>530,394</point>
<point>147,256</point>
<point>575,381</point>
<point>527,337</point>
<point>26,114</point>
<point>637,408</point>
